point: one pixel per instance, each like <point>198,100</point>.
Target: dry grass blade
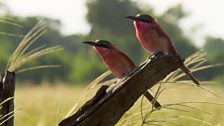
<point>200,110</point>
<point>162,121</point>
<point>35,55</point>
<point>9,115</point>
<point>176,109</point>
<point>155,124</point>
<point>24,42</point>
<point>87,89</point>
<point>8,99</point>
<point>181,83</point>
<point>130,118</point>
<point>209,91</point>
<point>187,117</point>
<point>37,67</point>
<point>207,67</point>
<point>197,120</point>
<point>197,69</point>
<point>36,50</point>
<point>4,117</point>
<point>11,34</point>
<point>196,61</point>
<point>71,110</point>
<point>202,102</point>
<point>21,56</point>
<point>10,22</point>
<point>97,81</point>
<point>200,63</point>
<point>100,78</point>
<point>37,34</point>
<point>5,120</point>
<point>196,58</point>
<point>159,90</point>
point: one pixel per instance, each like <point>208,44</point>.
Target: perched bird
<point>118,62</point>
<point>154,39</point>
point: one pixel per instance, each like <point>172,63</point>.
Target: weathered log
<point>111,102</point>
<point>7,91</point>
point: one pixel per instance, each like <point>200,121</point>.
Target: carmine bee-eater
<point>154,39</point>
<point>118,62</point>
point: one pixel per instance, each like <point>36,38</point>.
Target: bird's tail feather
<point>189,74</point>
<point>153,100</point>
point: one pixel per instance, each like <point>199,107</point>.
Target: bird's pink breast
<point>118,63</point>
<point>150,39</point>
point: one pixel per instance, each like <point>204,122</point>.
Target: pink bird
<point>118,62</point>
<point>154,39</point>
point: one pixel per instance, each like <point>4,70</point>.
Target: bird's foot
<point>156,54</point>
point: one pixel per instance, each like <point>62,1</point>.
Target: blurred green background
<point>79,63</point>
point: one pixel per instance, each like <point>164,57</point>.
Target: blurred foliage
<point>214,48</point>
<point>79,63</point>
<point>215,54</point>
<point>170,22</point>
<point>107,19</point>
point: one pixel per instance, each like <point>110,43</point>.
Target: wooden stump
<point>7,90</point>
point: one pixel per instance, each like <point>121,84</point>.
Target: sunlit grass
<point>46,105</point>
<point>188,106</point>
<point>10,21</point>
<point>21,56</point>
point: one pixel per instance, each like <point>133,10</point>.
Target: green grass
<point>46,106</point>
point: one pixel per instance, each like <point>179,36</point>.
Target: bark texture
<point>7,91</point>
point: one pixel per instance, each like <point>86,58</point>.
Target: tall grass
<point>4,118</point>
<point>21,56</point>
<point>10,21</point>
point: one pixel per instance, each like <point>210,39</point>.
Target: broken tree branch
<point>111,102</point>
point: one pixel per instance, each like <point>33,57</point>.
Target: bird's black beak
<point>133,18</point>
<point>90,43</point>
<point>96,44</point>
<point>140,18</point>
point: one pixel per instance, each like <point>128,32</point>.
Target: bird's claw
<point>156,54</point>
